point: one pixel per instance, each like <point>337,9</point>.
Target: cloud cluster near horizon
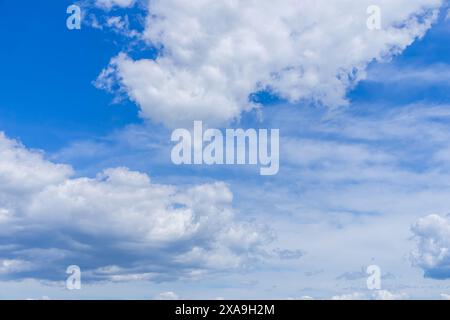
<point>118,226</point>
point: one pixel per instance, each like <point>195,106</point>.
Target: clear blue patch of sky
<point>47,97</point>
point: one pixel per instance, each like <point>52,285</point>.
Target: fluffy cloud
<point>432,253</point>
<point>118,225</point>
<point>34,173</point>
<point>215,54</point>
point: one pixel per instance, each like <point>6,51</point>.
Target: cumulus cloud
<point>432,252</point>
<point>118,226</point>
<point>215,54</point>
<point>34,174</point>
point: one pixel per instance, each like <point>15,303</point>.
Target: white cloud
<point>435,74</point>
<point>118,24</point>
<point>375,295</point>
<point>109,4</point>
<point>445,296</point>
<point>432,253</point>
<point>386,295</point>
<point>8,267</point>
<point>350,296</point>
<point>41,298</point>
<point>22,171</point>
<point>216,53</point>
<point>307,152</point>
<point>167,296</point>
<point>120,224</point>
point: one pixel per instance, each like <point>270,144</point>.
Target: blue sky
<point>364,150</point>
<point>60,102</point>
